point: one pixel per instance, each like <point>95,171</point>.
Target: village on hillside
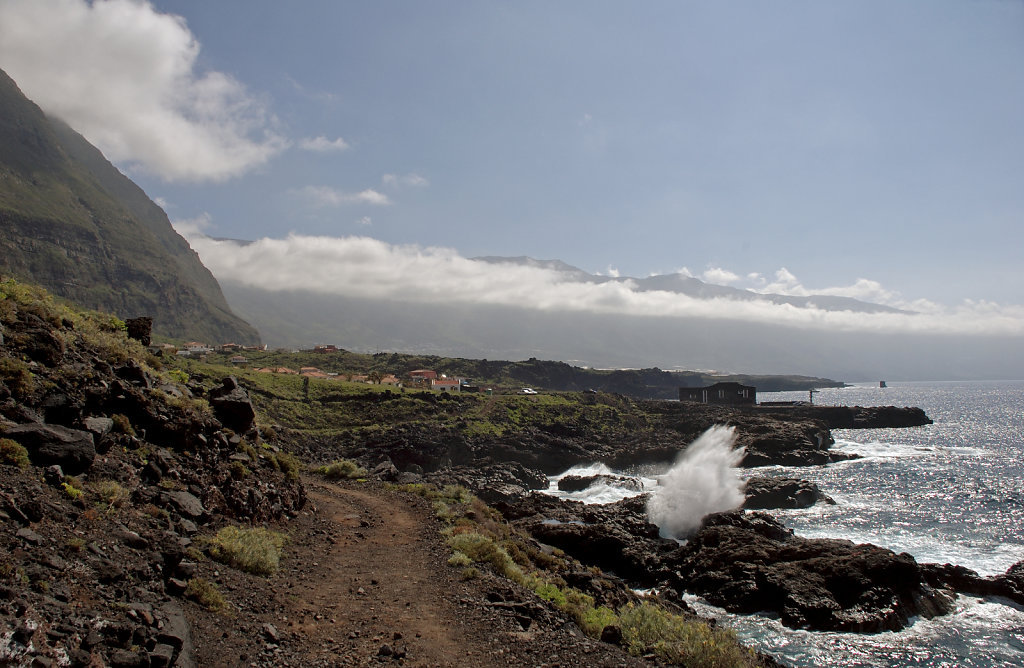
<point>418,378</point>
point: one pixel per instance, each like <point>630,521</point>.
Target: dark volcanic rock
<point>857,417</point>
<point>616,537</point>
<point>140,329</point>
<point>47,444</point>
<point>750,563</point>
<point>766,492</point>
<point>575,483</point>
<point>493,482</point>
<point>232,406</point>
<point>965,581</point>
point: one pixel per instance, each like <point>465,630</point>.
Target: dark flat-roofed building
<point>728,393</point>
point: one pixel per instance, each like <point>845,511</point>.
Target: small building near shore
<point>446,384</point>
<point>726,393</point>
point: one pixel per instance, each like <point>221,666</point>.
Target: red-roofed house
<point>446,384</point>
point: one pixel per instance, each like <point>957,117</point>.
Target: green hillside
<point>71,222</point>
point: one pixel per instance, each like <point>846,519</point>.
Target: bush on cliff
<point>678,640</point>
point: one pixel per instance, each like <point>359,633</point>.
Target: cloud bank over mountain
<point>366,268</point>
<point>127,78</point>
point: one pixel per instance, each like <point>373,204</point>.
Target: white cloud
<point>125,76</point>
<point>368,268</point>
<point>411,179</point>
<point>719,276</point>
<point>865,289</point>
<point>365,220</point>
<point>322,144</point>
<point>325,196</point>
<point>193,227</point>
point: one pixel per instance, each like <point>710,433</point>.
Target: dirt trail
<point>365,581</point>
<point>381,576</point>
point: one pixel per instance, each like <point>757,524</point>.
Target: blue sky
<point>873,149</point>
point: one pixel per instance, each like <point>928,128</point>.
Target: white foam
<point>703,480</point>
<point>602,491</point>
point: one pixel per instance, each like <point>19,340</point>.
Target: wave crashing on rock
<point>704,480</point>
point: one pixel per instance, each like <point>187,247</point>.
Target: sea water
<point>950,492</point>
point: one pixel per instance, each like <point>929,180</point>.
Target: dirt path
<point>381,576</point>
<point>365,581</point>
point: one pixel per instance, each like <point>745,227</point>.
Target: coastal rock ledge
<point>749,562</point>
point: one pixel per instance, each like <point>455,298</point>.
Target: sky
<point>871,149</point>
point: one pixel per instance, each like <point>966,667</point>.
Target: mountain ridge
<point>71,222</point>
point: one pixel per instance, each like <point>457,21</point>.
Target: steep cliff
<point>70,221</point>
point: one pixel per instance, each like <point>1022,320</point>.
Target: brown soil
<point>365,580</point>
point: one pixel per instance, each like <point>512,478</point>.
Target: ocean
<point>950,492</point>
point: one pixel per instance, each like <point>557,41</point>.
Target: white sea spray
<point>703,480</point>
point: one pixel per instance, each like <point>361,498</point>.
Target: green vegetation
<point>286,463</point>
<point>253,550</point>
<point>342,468</point>
<point>16,376</point>
<point>13,453</point>
<point>679,640</point>
<point>206,594</point>
<point>72,488</point>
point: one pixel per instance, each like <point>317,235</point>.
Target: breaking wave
<point>703,480</point>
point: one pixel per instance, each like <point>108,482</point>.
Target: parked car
<point>527,390</point>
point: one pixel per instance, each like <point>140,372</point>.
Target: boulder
<point>98,426</point>
<point>575,483</point>
<point>140,329</point>
<point>767,492</point>
<point>187,504</point>
<point>232,406</point>
<point>47,444</point>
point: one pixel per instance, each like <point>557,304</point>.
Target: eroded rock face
<point>749,562</point>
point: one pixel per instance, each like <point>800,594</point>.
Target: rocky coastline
<point>125,471</point>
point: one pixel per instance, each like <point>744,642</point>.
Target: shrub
<point>239,471</point>
<point>594,620</point>
<point>13,453</point>
<point>342,468</point>
<point>111,493</point>
<point>679,640</point>
<point>70,490</point>
<point>122,425</point>
<point>256,550</point>
<point>289,465</point>
<point>483,550</point>
<point>459,559</point>
<point>15,374</point>
<point>205,593</point>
